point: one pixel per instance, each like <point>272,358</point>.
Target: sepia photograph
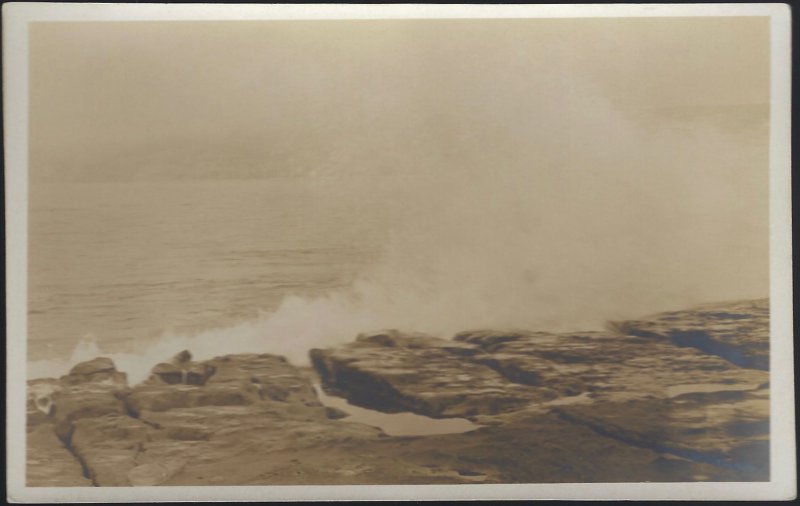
<point>342,247</point>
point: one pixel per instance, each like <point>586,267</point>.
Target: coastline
<point>679,396</point>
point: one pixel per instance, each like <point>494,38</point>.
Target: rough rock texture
<point>727,429</point>
<point>629,404</point>
<point>422,374</point>
<point>603,364</point>
<point>737,332</point>
<point>686,401</point>
<point>49,463</point>
<point>153,432</point>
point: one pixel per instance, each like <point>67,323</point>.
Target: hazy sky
<point>112,99</point>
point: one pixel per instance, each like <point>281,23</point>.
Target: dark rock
<point>413,340</point>
<point>183,372</point>
<point>395,339</point>
<point>198,374</point>
<point>335,413</point>
<point>94,366</point>
<point>737,332</point>
<point>423,376</point>
<point>182,357</point>
<point>508,371</point>
<point>170,374</point>
<point>489,339</point>
<point>274,392</point>
<point>98,370</point>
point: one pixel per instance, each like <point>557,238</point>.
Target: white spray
<point>566,217</point>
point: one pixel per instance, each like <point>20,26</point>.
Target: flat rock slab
<point>109,446</point>
<point>423,376</point>
<point>532,449</point>
<point>737,332</point>
<point>49,463</point>
<point>271,375</point>
<point>728,429</point>
<point>542,448</point>
<point>165,397</point>
<point>491,372</point>
<point>236,380</point>
<point>604,365</point>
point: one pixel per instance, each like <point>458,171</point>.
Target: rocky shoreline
<point>680,396</point>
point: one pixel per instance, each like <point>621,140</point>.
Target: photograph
<point>344,251</point>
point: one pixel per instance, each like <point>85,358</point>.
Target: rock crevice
<point>635,403</point>
<point>737,332</point>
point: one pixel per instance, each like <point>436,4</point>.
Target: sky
<point>122,100</point>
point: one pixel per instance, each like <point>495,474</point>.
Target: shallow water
<point>677,390</point>
<point>396,424</point>
<point>581,398</point>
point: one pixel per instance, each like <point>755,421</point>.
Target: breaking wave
<point>598,219</point>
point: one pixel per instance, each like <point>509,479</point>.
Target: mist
<point>519,182</point>
<point>594,218</point>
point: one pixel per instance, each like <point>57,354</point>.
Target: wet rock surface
<point>628,404</point>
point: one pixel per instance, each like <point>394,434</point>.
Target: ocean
<point>141,269</point>
<point>117,266</point>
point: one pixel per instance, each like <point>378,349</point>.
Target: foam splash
<point>296,326</point>
<point>561,217</point>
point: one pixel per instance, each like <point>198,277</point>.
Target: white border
<point>16,17</point>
